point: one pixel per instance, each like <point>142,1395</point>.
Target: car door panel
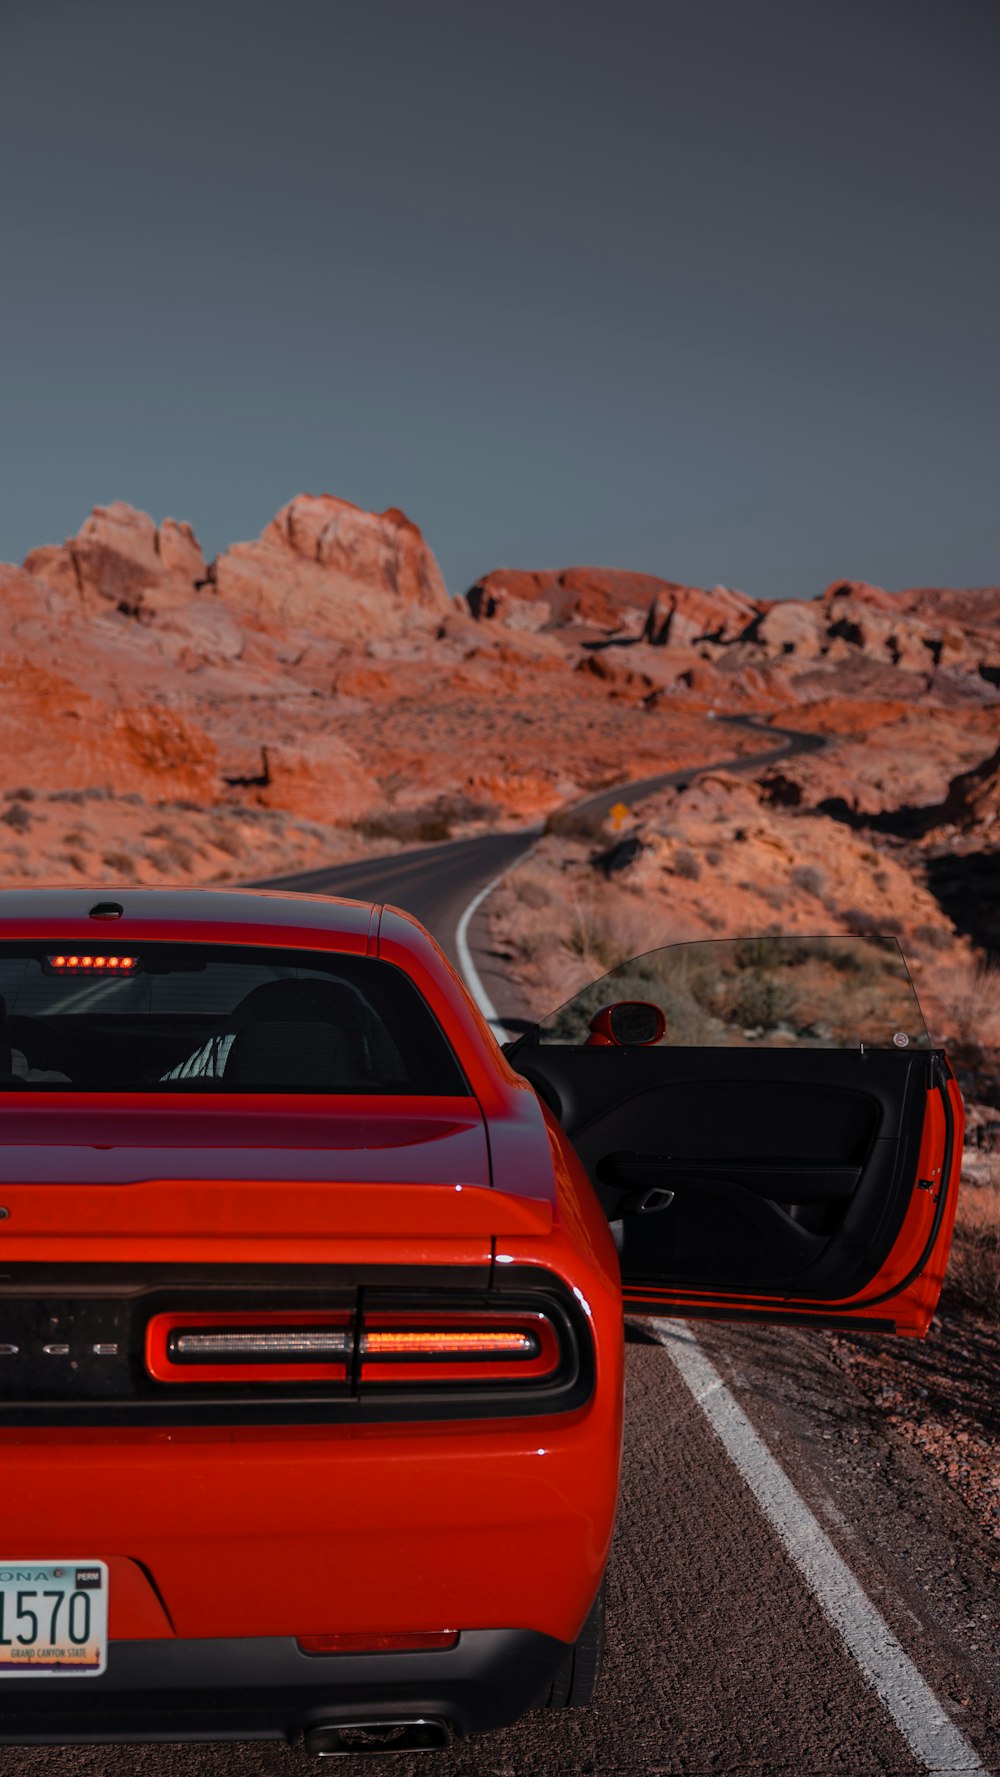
<point>784,1178</point>
<point>749,1143</point>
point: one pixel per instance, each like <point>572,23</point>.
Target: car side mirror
<point>628,1024</point>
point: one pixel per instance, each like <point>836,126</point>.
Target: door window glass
<point>771,992</point>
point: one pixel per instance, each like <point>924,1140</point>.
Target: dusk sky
<point>705,288</point>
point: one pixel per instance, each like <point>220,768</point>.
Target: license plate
<point>53,1619</point>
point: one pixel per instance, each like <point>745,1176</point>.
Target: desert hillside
<point>317,694</point>
<point>304,697</point>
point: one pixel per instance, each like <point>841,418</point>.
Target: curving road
<point>437,882</point>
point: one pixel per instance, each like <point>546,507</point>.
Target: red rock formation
<point>319,677</point>
<point>612,598</point>
<point>330,568</point>
<point>119,554</point>
<point>973,802</point>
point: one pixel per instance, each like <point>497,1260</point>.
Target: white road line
<point>932,1736</point>
<point>468,967</point>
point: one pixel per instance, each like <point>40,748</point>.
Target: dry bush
<point>932,937</point>
<point>809,879</point>
<point>428,826</point>
<point>224,839</point>
<point>566,823</point>
<point>177,857</point>
<point>530,890</point>
<point>974,1270</point>
<point>971,1001</point>
<point>604,937</point>
<point>685,864</point>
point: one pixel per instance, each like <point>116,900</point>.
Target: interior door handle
<point>644,1203</point>
<point>649,1203</point>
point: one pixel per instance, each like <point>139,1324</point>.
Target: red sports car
<point>311,1299</point>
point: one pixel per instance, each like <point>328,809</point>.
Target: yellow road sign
<point>619,815</point>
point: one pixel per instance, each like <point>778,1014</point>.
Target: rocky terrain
<point>301,698</point>
<point>316,695</point>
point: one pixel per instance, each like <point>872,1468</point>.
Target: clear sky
<point>709,288</point>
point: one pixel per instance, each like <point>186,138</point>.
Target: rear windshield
<point>215,1018</point>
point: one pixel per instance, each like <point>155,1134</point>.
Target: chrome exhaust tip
<point>391,1733</point>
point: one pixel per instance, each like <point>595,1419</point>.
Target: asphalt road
<point>720,1657</point>
<point>437,882</point>
<point>719,1660</point>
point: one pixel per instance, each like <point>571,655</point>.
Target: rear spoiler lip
<point>282,1213</point>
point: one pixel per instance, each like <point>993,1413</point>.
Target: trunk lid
<point>230,1180</point>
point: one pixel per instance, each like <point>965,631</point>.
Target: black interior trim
<point>774,1173</point>
<point>797,1181</point>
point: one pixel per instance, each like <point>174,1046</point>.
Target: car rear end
<point>319,1403</point>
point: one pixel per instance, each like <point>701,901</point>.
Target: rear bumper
<point>265,1688</point>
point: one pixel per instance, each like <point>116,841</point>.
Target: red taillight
<point>365,1642</point>
<point>391,1346</point>
<point>232,1347</point>
<point>76,965</point>
<point>402,1347</point>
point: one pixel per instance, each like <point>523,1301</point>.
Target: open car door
<point>768,1126</point>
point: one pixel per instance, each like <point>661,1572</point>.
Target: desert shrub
<point>935,937</point>
<point>24,795</point>
<point>870,925</point>
<point>530,945</point>
<point>567,823</point>
<point>973,1006</point>
<point>974,1269</point>
<point>809,879</point>
<point>225,840</point>
<point>760,1001</point>
<point>177,856</point>
<point>119,860</point>
<point>530,891</point>
<point>433,829</point>
<point>604,938</point>
<point>16,816</point>
<point>426,826</point>
<point>685,864</point>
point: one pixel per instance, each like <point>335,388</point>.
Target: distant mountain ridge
<point>316,689</point>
